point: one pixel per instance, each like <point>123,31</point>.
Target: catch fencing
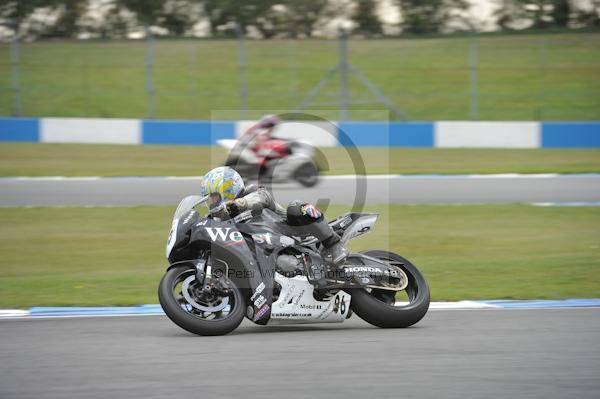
<point>471,77</point>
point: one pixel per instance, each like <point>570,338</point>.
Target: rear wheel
<point>265,175</point>
<point>379,307</point>
<point>196,310</point>
<point>307,174</point>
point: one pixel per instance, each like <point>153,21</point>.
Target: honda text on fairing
<point>272,160</point>
<point>260,267</point>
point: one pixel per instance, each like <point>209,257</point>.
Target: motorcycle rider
<point>259,134</point>
<point>263,129</point>
<point>228,197</point>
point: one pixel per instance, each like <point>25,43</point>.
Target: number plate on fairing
<point>296,303</point>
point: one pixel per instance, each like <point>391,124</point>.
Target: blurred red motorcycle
<point>258,156</point>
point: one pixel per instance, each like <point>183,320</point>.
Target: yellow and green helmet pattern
<point>223,180</point>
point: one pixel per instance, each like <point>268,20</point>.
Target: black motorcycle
<point>258,266</point>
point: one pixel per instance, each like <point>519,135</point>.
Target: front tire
<point>377,307</point>
<point>187,315</point>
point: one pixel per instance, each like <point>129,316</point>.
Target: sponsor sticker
<point>261,300</point>
<point>223,234</point>
<point>258,290</point>
<point>188,217</point>
<point>261,312</point>
<point>228,235</point>
<point>311,307</point>
<point>291,315</point>
<point>299,297</point>
<point>311,211</point>
<point>363,269</point>
<point>345,221</point>
<point>262,238</point>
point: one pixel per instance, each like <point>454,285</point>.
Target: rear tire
<point>191,322</point>
<point>377,308</point>
<point>265,175</point>
<point>307,174</point>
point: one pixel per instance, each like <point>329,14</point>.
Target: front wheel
<point>379,307</point>
<point>199,311</point>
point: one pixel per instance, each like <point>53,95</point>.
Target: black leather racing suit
<point>305,217</point>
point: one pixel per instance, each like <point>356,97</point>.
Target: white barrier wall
<point>321,134</point>
<point>572,134</point>
<point>90,130</point>
<point>487,134</point>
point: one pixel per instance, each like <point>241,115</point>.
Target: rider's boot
<point>308,220</point>
<point>333,251</point>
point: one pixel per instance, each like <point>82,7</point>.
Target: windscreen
<point>187,204</point>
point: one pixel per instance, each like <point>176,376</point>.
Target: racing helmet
<point>269,121</point>
<point>221,184</point>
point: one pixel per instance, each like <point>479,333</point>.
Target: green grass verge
<point>115,256</point>
<point>520,77</point>
<point>32,159</point>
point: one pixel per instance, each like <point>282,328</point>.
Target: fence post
<point>538,113</point>
<point>242,68</point>
<point>293,64</point>
<point>473,60</point>
<point>15,74</point>
<point>343,68</point>
<point>150,57</point>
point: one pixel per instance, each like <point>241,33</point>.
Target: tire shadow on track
<point>250,329</point>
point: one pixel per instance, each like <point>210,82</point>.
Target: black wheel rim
<point>389,297</point>
<point>188,296</point>
<point>306,175</point>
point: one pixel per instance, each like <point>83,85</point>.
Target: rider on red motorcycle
<point>259,156</point>
<point>259,138</point>
<point>263,129</point>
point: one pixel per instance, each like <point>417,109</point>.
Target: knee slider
<point>302,214</point>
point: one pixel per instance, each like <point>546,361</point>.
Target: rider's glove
<point>236,206</point>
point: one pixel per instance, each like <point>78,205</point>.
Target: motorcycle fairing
<point>264,239</point>
<point>179,236</point>
<point>353,224</point>
<point>374,273</point>
<point>249,253</point>
<point>297,304</point>
<point>228,247</point>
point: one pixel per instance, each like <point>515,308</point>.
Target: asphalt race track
<point>543,353</point>
<point>450,354</point>
<point>464,189</point>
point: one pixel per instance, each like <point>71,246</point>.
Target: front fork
<point>211,283</point>
<point>203,273</point>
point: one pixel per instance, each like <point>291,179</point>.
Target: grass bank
<point>115,256</point>
<point>32,159</point>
